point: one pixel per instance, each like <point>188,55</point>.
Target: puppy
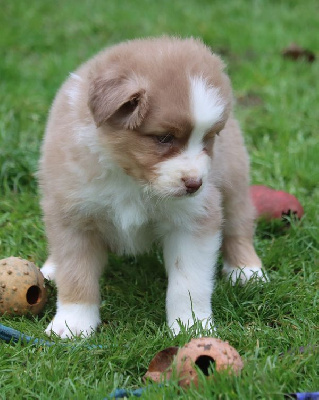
<point>140,147</point>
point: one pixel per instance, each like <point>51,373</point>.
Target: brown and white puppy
<point>141,146</point>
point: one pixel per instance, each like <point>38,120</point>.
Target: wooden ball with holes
<point>22,288</point>
<point>207,354</point>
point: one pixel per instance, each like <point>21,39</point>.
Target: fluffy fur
<point>141,146</point>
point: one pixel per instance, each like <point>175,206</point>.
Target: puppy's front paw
<point>74,320</point>
<point>244,274</point>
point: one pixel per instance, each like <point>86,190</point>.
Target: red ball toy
<point>274,204</point>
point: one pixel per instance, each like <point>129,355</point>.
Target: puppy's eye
<point>168,138</point>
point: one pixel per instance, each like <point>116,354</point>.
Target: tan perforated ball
<point>206,354</point>
<point>22,288</point>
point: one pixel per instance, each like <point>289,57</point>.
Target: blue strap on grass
<point>122,393</point>
<point>305,396</point>
<point>10,334</point>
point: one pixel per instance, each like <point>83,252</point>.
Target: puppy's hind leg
<point>48,269</point>
<point>79,257</point>
<point>240,258</point>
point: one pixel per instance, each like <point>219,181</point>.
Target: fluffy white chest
<point>120,211</point>
<point>129,217</point>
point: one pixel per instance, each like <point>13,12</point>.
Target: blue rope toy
<point>9,334</point>
<point>12,335</point>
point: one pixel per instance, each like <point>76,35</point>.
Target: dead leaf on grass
<point>295,52</point>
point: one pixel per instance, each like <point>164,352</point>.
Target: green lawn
<point>277,104</point>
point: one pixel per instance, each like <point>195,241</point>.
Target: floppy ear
<point>119,100</point>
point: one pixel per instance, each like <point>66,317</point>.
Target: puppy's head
<point>158,105</point>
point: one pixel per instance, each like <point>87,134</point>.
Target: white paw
<point>48,270</point>
<point>244,274</point>
<point>74,320</point>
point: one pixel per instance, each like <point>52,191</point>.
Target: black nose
<point>192,185</point>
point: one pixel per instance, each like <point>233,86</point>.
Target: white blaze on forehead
<point>207,108</point>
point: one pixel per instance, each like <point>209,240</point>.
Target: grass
<point>277,101</point>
